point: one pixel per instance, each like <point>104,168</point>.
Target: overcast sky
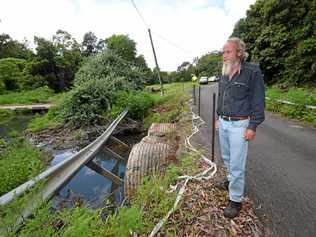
<point>182,29</point>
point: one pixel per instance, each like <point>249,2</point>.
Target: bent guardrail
<point>62,172</point>
<point>57,175</point>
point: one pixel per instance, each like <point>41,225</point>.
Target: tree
<point>11,73</point>
<point>46,53</point>
<point>68,58</point>
<point>57,60</point>
<point>209,64</point>
<point>64,41</point>
<point>108,65</point>
<point>89,44</point>
<point>280,36</point>
<point>184,72</point>
<point>101,46</point>
<point>123,46</point>
<point>12,48</point>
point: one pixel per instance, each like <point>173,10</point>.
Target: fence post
<point>199,100</point>
<point>194,102</point>
<point>213,126</point>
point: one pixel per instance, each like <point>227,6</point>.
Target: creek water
<point>86,188</point>
<point>16,123</point>
<point>90,189</point>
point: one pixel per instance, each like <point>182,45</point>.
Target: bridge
<point>33,107</point>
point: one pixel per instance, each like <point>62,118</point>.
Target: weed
<point>78,135</point>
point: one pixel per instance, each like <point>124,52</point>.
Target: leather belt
<point>234,118</point>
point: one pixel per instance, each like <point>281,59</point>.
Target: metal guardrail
<point>62,172</point>
<point>291,103</point>
<point>58,175</point>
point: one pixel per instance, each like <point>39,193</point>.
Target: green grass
<point>44,122</point>
<point>19,161</point>
<point>170,106</point>
<point>296,95</point>
<point>75,222</point>
<point>299,96</point>
<point>39,95</point>
<point>151,202</point>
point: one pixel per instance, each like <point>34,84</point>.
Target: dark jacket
<point>243,95</point>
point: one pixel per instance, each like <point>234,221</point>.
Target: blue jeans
<point>234,149</point>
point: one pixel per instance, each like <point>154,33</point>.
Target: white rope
<point>187,178</point>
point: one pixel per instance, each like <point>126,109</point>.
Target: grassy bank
<point>171,105</point>
<point>300,96</point>
<point>151,202</point>
<point>139,105</point>
<point>48,121</point>
<point>19,162</point>
<point>40,95</point>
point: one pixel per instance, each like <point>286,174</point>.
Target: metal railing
<point>56,176</point>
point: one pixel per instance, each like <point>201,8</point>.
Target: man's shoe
<point>223,184</point>
<point>232,210</point>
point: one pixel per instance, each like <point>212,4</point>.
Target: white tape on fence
<point>203,175</point>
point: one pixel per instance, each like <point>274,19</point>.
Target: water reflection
<point>16,123</point>
<point>87,187</point>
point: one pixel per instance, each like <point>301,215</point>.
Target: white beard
<point>228,68</point>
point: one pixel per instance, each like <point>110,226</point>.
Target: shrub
<point>86,103</point>
<point>112,70</point>
<point>139,105</point>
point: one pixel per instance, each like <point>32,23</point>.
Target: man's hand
<point>217,124</point>
<point>249,135</point>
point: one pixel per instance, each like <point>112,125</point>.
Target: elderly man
<point>240,110</point>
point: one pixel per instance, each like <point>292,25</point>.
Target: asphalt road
<point>281,172</point>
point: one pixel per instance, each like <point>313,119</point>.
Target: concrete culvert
<point>148,157</point>
<point>162,129</point>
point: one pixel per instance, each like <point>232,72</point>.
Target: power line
<point>158,34</point>
<point>139,13</point>
<point>172,43</point>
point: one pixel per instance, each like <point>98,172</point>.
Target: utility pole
<point>158,71</point>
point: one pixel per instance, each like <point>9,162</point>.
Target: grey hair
<point>241,47</point>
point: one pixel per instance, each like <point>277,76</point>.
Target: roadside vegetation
<point>300,96</point>
<point>171,105</point>
<point>151,202</point>
<point>93,81</point>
